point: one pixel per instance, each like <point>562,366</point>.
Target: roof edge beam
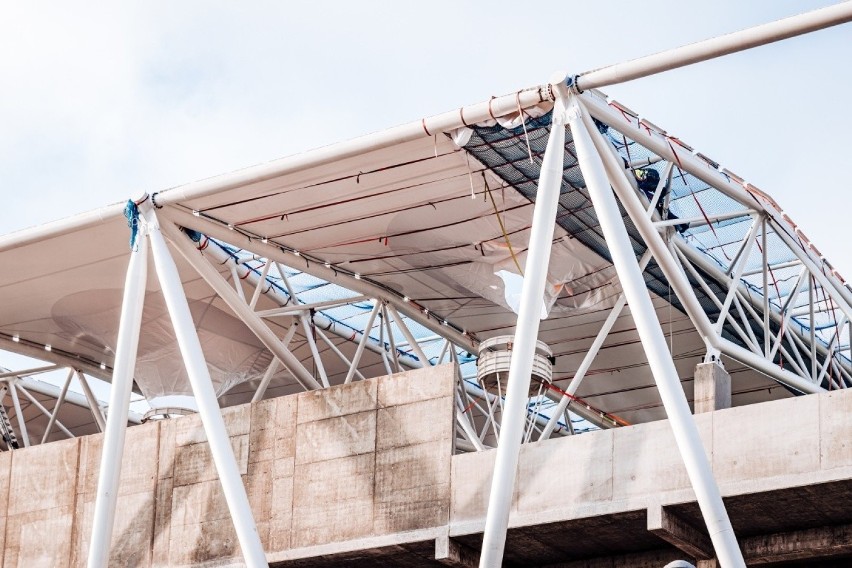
<point>716,47</point>
<point>423,128</point>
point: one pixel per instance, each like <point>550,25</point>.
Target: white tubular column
<point>526,333</point>
<point>205,396</point>
<point>119,403</point>
<point>654,344</point>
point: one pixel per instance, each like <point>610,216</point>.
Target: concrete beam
<point>809,544</point>
<point>679,533</point>
<point>648,559</point>
<point>450,552</point>
<point>712,387</point>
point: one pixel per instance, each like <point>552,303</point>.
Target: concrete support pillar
<point>712,387</point>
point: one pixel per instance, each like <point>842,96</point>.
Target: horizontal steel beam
<point>717,47</point>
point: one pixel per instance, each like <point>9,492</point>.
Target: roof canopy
<point>433,217</point>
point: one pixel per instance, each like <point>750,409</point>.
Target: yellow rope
<point>502,227</point>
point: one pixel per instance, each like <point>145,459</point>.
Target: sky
<point>103,100</point>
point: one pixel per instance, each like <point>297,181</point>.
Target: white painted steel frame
<point>22,423</point>
<point>119,403</point>
<point>526,334</point>
<point>718,46</point>
<point>318,321</point>
<point>609,322</point>
<point>94,405</point>
<point>589,358</point>
<point>59,400</point>
<point>273,365</point>
<point>721,180</point>
<point>40,407</point>
<point>644,315</point>
<point>665,259</point>
<point>205,396</point>
<point>255,323</point>
<point>365,341</point>
<point>218,255</point>
<point>36,351</point>
<point>692,257</point>
<point>275,253</point>
<point>654,64</point>
<point>32,371</point>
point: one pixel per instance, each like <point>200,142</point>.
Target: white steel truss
<point>762,324</point>
<point>33,405</point>
<point>794,335</point>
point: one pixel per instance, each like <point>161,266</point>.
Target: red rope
<point>697,202</point>
<point>612,417</point>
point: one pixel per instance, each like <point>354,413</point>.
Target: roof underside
<point>428,220</point>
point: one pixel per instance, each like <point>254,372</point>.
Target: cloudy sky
<point>100,101</point>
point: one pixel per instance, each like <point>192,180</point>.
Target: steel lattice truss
<point>761,286</point>
<point>405,249</point>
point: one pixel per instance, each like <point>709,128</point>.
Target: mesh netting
<point>508,152</point>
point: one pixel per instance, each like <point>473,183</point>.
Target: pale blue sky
<point>103,100</point>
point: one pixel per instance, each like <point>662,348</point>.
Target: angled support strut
<point>653,340</point>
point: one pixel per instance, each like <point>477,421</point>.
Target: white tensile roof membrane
<point>426,219</point>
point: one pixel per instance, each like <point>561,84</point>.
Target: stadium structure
<point>534,331</point>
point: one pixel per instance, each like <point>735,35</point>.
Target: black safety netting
<point>515,155</point>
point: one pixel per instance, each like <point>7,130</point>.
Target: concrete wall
<point>367,468</point>
<point>758,448</point>
<point>351,462</point>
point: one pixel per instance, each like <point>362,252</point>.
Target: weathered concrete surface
<point>40,510</point>
<point>449,552</point>
<point>712,388</point>
<point>782,467</point>
<point>134,526</point>
<point>363,474</point>
<point>651,559</point>
<point>366,460</point>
